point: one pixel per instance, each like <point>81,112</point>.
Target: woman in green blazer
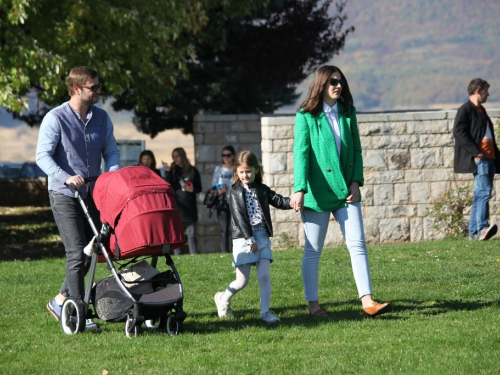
<point>328,171</point>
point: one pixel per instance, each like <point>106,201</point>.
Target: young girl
<point>249,202</point>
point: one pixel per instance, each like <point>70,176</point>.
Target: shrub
<point>448,211</point>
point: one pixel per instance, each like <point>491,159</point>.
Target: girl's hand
<point>222,190</point>
<point>297,201</point>
<point>353,193</point>
<point>189,188</point>
<point>254,247</point>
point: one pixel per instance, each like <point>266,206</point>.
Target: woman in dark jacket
<point>186,182</point>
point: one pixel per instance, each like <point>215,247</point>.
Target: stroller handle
<point>86,179</point>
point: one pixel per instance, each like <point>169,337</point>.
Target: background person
<point>186,182</point>
<point>72,139</point>
<point>252,227</point>
<point>328,171</point>
<point>147,159</point>
<point>476,152</point>
<point>222,179</point>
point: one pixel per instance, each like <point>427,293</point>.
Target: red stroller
<point>140,221</point>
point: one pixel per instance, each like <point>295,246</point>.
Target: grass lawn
<point>446,318</point>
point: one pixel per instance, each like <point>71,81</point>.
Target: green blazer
<point>318,170</point>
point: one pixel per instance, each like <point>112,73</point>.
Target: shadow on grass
<point>293,316</point>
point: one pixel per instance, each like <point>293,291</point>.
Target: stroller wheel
<point>72,316</point>
<point>172,325</point>
<point>132,329</point>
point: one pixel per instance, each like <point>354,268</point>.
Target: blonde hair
<point>248,158</point>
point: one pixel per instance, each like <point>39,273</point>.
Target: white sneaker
<point>90,325</point>
<point>223,309</point>
<point>487,233</point>
<point>269,317</point>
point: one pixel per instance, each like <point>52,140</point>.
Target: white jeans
<point>315,227</point>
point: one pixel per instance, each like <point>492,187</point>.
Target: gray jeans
<point>76,233</point>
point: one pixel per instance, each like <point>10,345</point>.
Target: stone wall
<point>408,164</point>
<point>211,134</point>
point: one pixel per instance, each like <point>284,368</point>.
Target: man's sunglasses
<point>94,88</point>
<point>227,155</point>
<point>334,82</point>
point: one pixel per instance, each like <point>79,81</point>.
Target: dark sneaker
<point>487,233</point>
<point>54,309</point>
<point>90,325</point>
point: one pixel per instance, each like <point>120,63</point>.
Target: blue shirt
<point>68,146</point>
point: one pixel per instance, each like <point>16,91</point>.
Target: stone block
<point>413,175</point>
<point>402,194</point>
<point>423,158</point>
<point>448,157</point>
<point>254,126</point>
<point>267,146</point>
<point>428,127</point>
<point>206,153</point>
<point>437,174</point>
<point>374,212</point>
<point>203,127</point>
<point>372,117</point>
<point>416,229</point>
<point>372,234</point>
<point>394,230</point>
<point>398,159</point>
<point>253,117</point>
<point>401,211</point>
<point>281,180</point>
<point>238,127</point>
<point>278,120</point>
<point>383,177</point>
<point>277,132</point>
<point>395,141</point>
<point>383,194</point>
<point>367,195</point>
<point>374,160</point>
<point>420,192</point>
<point>435,140</point>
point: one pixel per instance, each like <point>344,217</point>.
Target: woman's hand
<point>222,190</point>
<point>189,188</point>
<point>353,193</point>
<point>297,201</point>
<point>166,166</point>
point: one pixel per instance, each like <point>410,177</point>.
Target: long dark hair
<point>248,158</point>
<point>151,155</point>
<point>230,149</point>
<point>187,168</point>
<point>314,100</point>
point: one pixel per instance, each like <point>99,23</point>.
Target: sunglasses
<point>93,88</point>
<point>227,155</point>
<point>334,82</point>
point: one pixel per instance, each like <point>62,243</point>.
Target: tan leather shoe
<point>318,312</point>
<point>377,309</point>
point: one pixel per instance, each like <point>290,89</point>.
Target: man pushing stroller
<point>72,140</point>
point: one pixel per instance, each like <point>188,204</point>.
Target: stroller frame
<point>74,312</point>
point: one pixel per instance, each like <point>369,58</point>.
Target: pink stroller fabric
<point>141,210</point>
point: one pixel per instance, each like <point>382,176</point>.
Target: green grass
<point>446,319</point>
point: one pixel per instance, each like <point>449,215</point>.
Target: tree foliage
<point>249,64</point>
<point>140,48</point>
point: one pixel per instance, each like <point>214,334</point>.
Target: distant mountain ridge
<point>419,54</point>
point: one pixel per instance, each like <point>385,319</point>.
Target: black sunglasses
<point>227,155</point>
<point>334,82</point>
<point>94,88</point>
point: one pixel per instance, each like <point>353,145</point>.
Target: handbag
<point>214,200</point>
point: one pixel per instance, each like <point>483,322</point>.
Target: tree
<point>249,64</point>
<point>140,48</point>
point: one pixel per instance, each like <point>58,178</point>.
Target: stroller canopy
<point>140,208</point>
<point>113,190</point>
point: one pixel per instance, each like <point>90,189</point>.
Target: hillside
<point>419,54</point>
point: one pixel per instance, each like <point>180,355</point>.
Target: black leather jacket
<point>240,221</point>
<point>469,132</point>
